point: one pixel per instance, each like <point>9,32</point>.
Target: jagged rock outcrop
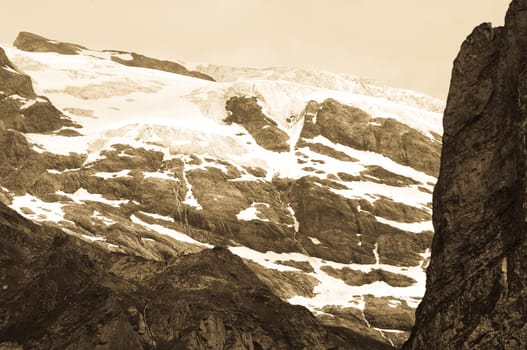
<point>138,60</point>
<point>12,81</point>
<point>353,127</point>
<point>246,112</point>
<point>476,288</point>
<point>21,108</point>
<point>35,43</point>
<point>58,292</point>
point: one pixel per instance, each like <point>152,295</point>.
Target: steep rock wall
<point>476,283</point>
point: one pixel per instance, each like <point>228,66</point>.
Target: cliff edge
<point>476,288</point>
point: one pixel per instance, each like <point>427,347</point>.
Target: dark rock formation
<point>359,278</point>
<point>153,63</point>
<point>21,109</point>
<point>476,292</point>
<point>58,292</point>
<point>246,112</point>
<point>12,81</point>
<point>348,234</point>
<point>380,313</point>
<point>351,126</point>
<point>36,43</point>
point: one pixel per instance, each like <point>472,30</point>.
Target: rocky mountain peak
<point>475,293</point>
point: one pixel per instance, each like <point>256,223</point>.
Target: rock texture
<point>21,108</point>
<point>328,205</point>
<point>138,60</point>
<point>353,127</point>
<point>476,289</point>
<point>35,43</point>
<point>58,292</point>
<point>246,112</point>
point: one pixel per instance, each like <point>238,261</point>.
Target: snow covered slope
<point>321,180</point>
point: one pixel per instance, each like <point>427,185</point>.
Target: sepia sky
<point>405,43</point>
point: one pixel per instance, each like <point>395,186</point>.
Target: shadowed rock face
<point>167,66</point>
<point>58,292</point>
<point>36,43</point>
<point>476,283</point>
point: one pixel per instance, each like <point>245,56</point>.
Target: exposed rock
<point>378,174</point>
<point>146,204</point>
<point>63,294</point>
<point>326,150</point>
<point>285,284</point>
<point>351,126</point>
<point>352,318</point>
<point>21,109</point>
<point>258,172</point>
<point>396,247</point>
<point>12,81</point>
<point>395,211</point>
<point>302,265</point>
<point>359,278</point>
<point>246,112</point>
<point>138,60</point>
<point>36,43</point>
<point>387,314</point>
<point>14,150</point>
<point>334,221</point>
<point>222,200</point>
<point>476,282</point>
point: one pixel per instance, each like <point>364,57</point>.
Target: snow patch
<point>178,236</point>
<point>415,227</point>
<point>157,216</point>
<point>33,208</point>
<point>252,213</point>
<point>296,224</point>
<point>314,241</point>
<point>162,175</point>
<point>106,176</point>
<point>82,195</point>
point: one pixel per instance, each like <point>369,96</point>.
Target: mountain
<point>88,298</point>
<point>476,282</point>
<point>321,183</point>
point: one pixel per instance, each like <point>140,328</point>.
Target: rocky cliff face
<point>324,193</point>
<point>58,292</point>
<point>476,283</point>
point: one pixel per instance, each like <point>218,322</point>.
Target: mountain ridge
<point>154,164</point>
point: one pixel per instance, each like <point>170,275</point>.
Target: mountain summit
<point>128,170</point>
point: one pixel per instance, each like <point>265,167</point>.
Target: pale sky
<point>404,43</point>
